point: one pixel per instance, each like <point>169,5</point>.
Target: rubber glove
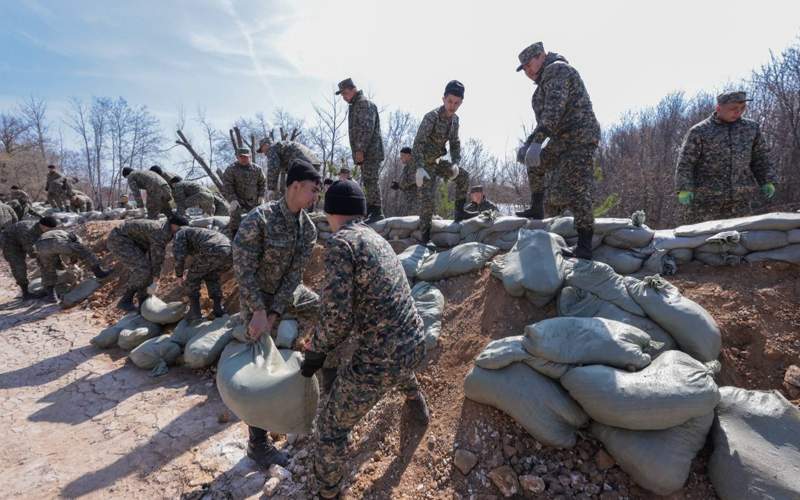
<point>454,171</point>
<point>769,190</point>
<point>685,197</point>
<point>533,155</point>
<point>420,177</point>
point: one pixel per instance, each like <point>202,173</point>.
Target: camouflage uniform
<point>210,253</point>
<point>279,158</point>
<point>245,185</point>
<point>429,145</point>
<point>366,300</point>
<point>18,240</point>
<point>192,194</point>
<point>55,244</point>
<point>166,175</point>
<point>17,208</point>
<point>24,201</point>
<point>55,190</point>
<point>81,202</point>
<point>473,209</point>
<point>722,163</point>
<point>139,245</point>
<point>220,205</point>
<point>408,189</point>
<point>364,129</point>
<point>564,114</point>
<point>7,216</point>
<point>159,194</point>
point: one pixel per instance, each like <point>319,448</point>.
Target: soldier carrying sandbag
<point>18,240</point>
<point>159,195</point>
<point>54,246</point>
<point>209,253</point>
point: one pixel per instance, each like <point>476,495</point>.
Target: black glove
<point>394,185</point>
<point>312,362</point>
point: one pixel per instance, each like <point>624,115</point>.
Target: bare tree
<point>12,131</point>
<point>34,111</point>
<point>329,130</point>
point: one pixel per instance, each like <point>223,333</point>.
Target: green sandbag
<point>462,259</point>
<point>109,336</point>
<point>156,354</point>
<point>429,302</point>
<point>209,339</point>
<point>158,311</point>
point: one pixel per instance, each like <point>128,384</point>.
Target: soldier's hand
<point>685,197</point>
<point>359,157</point>
<point>768,190</point>
<point>420,177</point>
<point>394,186</point>
<point>258,325</point>
<point>533,155</point>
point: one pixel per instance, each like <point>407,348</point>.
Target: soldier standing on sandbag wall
<point>210,253</point>
<point>279,156</point>
<point>366,299</point>
<point>438,128</point>
<point>54,187</point>
<point>191,194</point>
<point>564,114</point>
<point>270,252</point>
<point>159,194</point>
<point>721,162</point>
<point>478,202</point>
<point>407,184</point>
<point>139,245</point>
<point>23,199</point>
<point>243,185</point>
<point>366,143</point>
<point>18,240</point>
<point>55,245</point>
<point>164,174</point>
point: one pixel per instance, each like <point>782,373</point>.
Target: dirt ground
<point>78,421</point>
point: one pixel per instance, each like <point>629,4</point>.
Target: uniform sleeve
<point>423,132</point>
<point>337,298</point>
<point>179,250</point>
<point>556,94</point>
<point>760,162</point>
<point>292,279</point>
<point>246,256</point>
<point>227,185</point>
<point>407,177</point>
<point>688,158</point>
<point>179,194</point>
<point>135,191</point>
<point>273,167</point>
<point>364,117</point>
<point>455,143</point>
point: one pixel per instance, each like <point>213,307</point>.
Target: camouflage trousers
<point>204,201</point>
<point>133,257</point>
<point>207,268</point>
<point>159,202</point>
<point>370,173</point>
<point>220,205</point>
<point>427,193</point>
<point>566,175</point>
<point>714,206</point>
<point>236,219</point>
<point>58,200</point>
<point>51,252</point>
<point>355,391</point>
<point>15,256</point>
<point>409,204</point>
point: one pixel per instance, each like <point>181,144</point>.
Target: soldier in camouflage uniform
<point>243,185</point>
<point>722,160</point>
<point>7,216</point>
<point>407,184</point>
<point>54,187</point>
<point>139,245</point>
<point>191,194</point>
<point>80,202</point>
<point>18,240</point>
<point>438,128</point>
<point>279,156</point>
<point>210,253</point>
<point>564,114</point>
<point>366,300</point>
<point>125,203</point>
<point>55,245</point>
<point>270,251</point>
<point>164,174</point>
<point>22,198</point>
<point>366,144</point>
<point>478,202</point>
<point>159,195</point>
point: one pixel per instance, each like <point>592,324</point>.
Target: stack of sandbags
<point>109,336</point>
<point>462,259</point>
<point>429,302</point>
<point>445,233</point>
<point>115,213</point>
<point>412,258</point>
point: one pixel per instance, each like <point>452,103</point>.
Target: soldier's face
<point>303,193</point>
<point>476,197</point>
<point>731,111</point>
<point>405,158</point>
<point>533,66</point>
<point>244,160</point>
<point>348,94</point>
<point>451,104</point>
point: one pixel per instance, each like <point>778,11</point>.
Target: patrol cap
<point>732,96</point>
<point>242,152</point>
<point>347,83</point>
<point>476,189</point>
<point>344,170</point>
<point>529,53</point>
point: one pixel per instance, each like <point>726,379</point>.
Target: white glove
<point>152,289</point>
<point>532,156</point>
<point>420,177</point>
<point>234,205</point>
<point>454,171</point>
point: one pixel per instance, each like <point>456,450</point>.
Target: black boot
<point>583,250</point>
<point>460,214</point>
<point>100,273</point>
<point>536,211</point>
<point>141,296</point>
<point>50,295</point>
<point>126,302</point>
<point>374,214</point>
<point>218,311</point>
<point>26,295</point>
<point>419,408</point>
<point>263,452</point>
<point>194,313</point>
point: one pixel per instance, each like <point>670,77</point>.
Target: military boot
<point>50,295</point>
<point>536,211</point>
<point>218,310</point>
<point>100,273</point>
<point>583,250</point>
<point>419,408</point>
<point>27,295</point>
<point>262,452</point>
<point>194,313</point>
<point>126,302</point>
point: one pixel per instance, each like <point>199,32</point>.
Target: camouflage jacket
<point>20,195</point>
<point>7,216</point>
<point>182,190</point>
<point>270,251</point>
<point>367,296</point>
<point>718,157</point>
<point>54,183</point>
<point>433,133</point>
<point>199,242</point>
<point>562,105</point>
<point>476,208</point>
<point>144,180</point>
<point>23,234</point>
<point>244,184</point>
<point>54,239</point>
<point>152,236</point>
<point>364,128</point>
<point>280,156</point>
<point>408,179</point>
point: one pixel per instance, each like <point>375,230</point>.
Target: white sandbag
<point>534,267</point>
<point>263,386</point>
<point>601,280</point>
<point>658,461</point>
<point>502,352</point>
<point>630,237</point>
<point>582,341</point>
<point>400,246</point>
<point>156,354</point>
<point>723,248</point>
<point>537,403</point>
<point>682,255</point>
<point>158,311</point>
<point>533,224</point>
<point>132,338</point>
<point>724,238</point>
<point>758,241</point>
<point>412,258</point>
<point>717,259</point>
<point>502,224</point>
<point>686,321</point>
<point>109,336</point>
<point>621,260</point>
<point>94,215</point>
<point>793,236</point>
<point>665,239</point>
<point>399,234</point>
<point>410,222</point>
<point>659,262</point>
<point>445,240</point>
<point>208,341</point>
<point>671,390</point>
<point>777,221</point>
<point>220,222</point>
<point>756,452</point>
<point>288,330</point>
<point>380,226</point>
<point>80,292</point>
<point>204,222</point>
<point>462,259</point>
<point>563,226</point>
<point>429,302</point>
<point>471,226</point>
<point>789,254</point>
<point>445,226</point>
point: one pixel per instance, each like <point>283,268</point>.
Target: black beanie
<point>454,87</point>
<point>406,150</point>
<point>178,220</point>
<point>345,198</point>
<point>176,179</point>
<point>126,171</point>
<point>49,221</point>
<point>302,170</point>
<point>156,169</point>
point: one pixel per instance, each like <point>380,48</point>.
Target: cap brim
<point>338,92</point>
<point>519,68</point>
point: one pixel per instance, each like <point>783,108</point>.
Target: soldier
<point>164,174</point>
<point>210,253</point>
<point>722,159</point>
<point>439,127</point>
<point>52,247</point>
<point>18,240</point>
<point>243,185</point>
<point>270,252</point>
<point>23,199</point>
<point>345,174</point>
<point>367,300</point>
<point>220,205</point>
<point>279,156</point>
<point>7,216</point>
<point>139,245</point>
<point>478,202</point>
<point>54,187</point>
<point>191,194</point>
<point>564,114</point>
<point>159,195</point>
<point>81,202</point>
<point>407,184</point>
<point>366,144</point>
<point>125,203</point>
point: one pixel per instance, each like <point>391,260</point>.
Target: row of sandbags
<point>421,263</point>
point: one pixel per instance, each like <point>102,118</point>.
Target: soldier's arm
<point>290,281</point>
<point>247,252</point>
<point>423,132</point>
<point>556,92</point>
<point>179,250</point>
<point>364,122</point>
<point>136,191</point>
<point>760,161</point>
<point>227,185</point>
<point>158,247</point>
<point>688,158</point>
<point>455,143</point>
<point>337,298</point>
<point>407,180</point>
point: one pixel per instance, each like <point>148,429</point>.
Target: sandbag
<point>537,403</point>
<point>158,311</point>
<point>503,241</point>
<point>210,338</point>
<point>621,260</point>
<point>399,234</point>
<point>445,240</point>
<point>630,237</point>
<point>429,302</point>
<point>156,354</point>
<point>756,452</point>
<point>581,341</point>
<point>777,221</point>
<point>132,338</point>
<point>601,280</point>
<point>288,331</point>
<point>686,321</point>
<point>659,262</point>
<point>502,224</point>
<point>563,226</point>
<point>471,226</point>
<point>445,226</point>
<point>410,222</point>
<point>665,239</point>
<point>789,254</point>
<point>79,293</point>
<point>758,241</point>
<point>659,461</point>
<point>717,259</point>
<point>682,255</point>
<point>109,336</point>
<point>724,248</point>
<point>793,236</point>
<point>263,386</point>
<point>502,352</point>
<point>459,260</point>
<point>671,390</point>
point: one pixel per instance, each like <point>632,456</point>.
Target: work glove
<point>768,190</point>
<point>420,177</point>
<point>394,185</point>
<point>454,171</point>
<point>521,153</point>
<point>312,361</point>
<point>533,154</point>
<point>685,197</point>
